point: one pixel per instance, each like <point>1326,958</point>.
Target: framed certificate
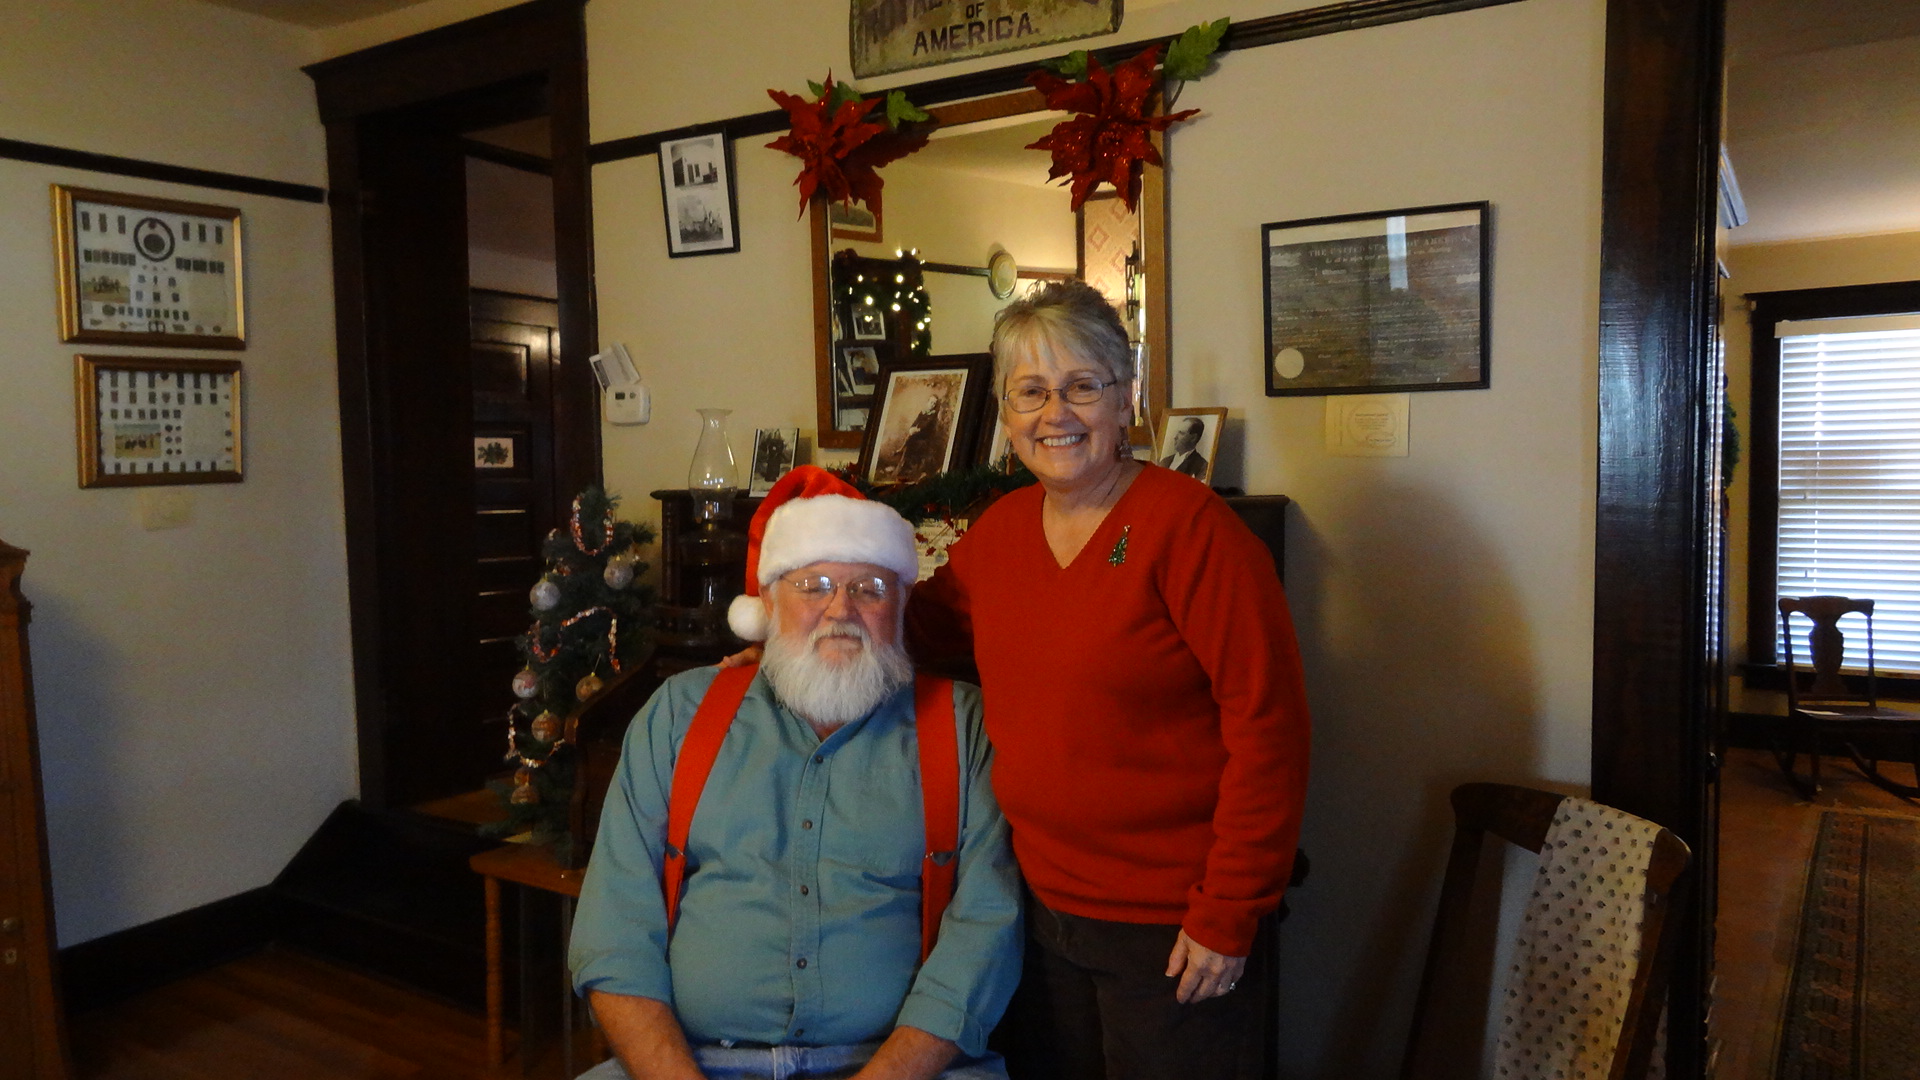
<point>143,271</point>
<point>148,420</point>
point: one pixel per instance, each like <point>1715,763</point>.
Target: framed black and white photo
<point>869,323</point>
<point>925,417</point>
<point>856,370</point>
<point>773,455</point>
<point>1189,441</point>
<point>1383,302</point>
<point>153,420</point>
<point>996,445</point>
<point>143,271</point>
<point>855,221</point>
<point>696,187</point>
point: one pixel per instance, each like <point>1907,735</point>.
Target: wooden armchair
<point>1581,842</point>
<point>1821,707</point>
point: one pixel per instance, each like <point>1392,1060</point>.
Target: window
<point>1836,481</point>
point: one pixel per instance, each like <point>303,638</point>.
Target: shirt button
<point>803,890</point>
<point>807,824</point>
<point>797,1032</point>
<point>819,759</point>
<point>802,963</point>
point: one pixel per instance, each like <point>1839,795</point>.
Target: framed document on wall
<point>144,271</point>
<point>148,420</point>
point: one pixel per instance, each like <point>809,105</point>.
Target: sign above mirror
<point>896,35</point>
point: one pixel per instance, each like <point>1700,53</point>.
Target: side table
<point>529,866</point>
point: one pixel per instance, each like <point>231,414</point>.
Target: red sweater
<point>1145,703</point>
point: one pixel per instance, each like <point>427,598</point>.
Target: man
<point>796,945</point>
<point>1185,458</point>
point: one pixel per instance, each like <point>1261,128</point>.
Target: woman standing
<point>1144,696</point>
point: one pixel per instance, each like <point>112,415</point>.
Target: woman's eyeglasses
<point>1025,399</point>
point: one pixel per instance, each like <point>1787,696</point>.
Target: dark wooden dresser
<point>33,1043</point>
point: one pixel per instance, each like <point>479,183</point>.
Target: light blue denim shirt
<point>800,923</point>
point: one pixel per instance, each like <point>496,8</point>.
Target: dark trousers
<point>1095,1003</point>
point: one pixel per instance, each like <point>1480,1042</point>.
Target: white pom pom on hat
<point>813,516</point>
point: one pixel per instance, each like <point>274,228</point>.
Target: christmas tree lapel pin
<point>1119,553</point>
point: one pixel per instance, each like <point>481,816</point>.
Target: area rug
<point>1853,1010</point>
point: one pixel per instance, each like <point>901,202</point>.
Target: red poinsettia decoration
<point>839,148</point>
<point>1111,131</point>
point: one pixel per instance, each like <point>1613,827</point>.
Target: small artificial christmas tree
<point>590,622</point>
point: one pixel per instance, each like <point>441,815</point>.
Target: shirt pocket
<point>882,831</point>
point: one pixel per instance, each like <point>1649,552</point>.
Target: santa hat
<point>813,516</point>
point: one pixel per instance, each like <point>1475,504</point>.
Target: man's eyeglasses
<point>1025,399</point>
<point>819,589</point>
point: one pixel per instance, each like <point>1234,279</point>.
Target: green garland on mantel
<point>945,496</point>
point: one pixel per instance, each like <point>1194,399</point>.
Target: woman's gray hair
<point>1070,317</point>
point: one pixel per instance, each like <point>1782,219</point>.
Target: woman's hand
<point>748,655</point>
<point>1203,973</point>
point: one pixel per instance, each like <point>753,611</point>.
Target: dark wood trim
<point>491,62</point>
<point>113,164</point>
<point>119,965</point>
<point>1269,30</point>
<point>1763,499</point>
<point>512,159</point>
<point>1652,673</point>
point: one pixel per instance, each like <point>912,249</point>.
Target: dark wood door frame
<point>542,42</point>
<point>1652,697</point>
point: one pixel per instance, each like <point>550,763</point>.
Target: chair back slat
<point>1827,644</point>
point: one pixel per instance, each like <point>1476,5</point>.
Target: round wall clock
<point>1002,272</point>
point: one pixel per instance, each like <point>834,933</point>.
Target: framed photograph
<point>1189,440</point>
<point>1378,303</point>
<point>869,323</point>
<point>153,420</point>
<point>773,455</point>
<point>853,221</point>
<point>856,370</point>
<point>925,418</point>
<point>142,271</point>
<point>696,187</point>
<point>996,448</point>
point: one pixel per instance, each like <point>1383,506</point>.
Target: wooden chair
<point>1821,707</point>
<point>1448,1024</point>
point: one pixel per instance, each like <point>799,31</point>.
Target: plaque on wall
<point>144,271</point>
<point>895,35</point>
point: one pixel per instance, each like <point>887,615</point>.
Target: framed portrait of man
<point>1189,441</point>
<point>773,457</point>
<point>925,417</point>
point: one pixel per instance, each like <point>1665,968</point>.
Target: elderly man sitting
<point>801,870</point>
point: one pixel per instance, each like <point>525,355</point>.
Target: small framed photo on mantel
<point>143,271</point>
<point>1189,441</point>
<point>696,188</point>
<point>1381,302</point>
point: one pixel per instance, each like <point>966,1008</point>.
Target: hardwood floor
<point>1766,841</point>
<point>282,1015</point>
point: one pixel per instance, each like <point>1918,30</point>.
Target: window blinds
<point>1850,478</point>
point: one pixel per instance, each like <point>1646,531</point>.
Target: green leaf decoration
<point>1191,55</point>
<point>818,90</point>
<point>1072,66</point>
<point>842,93</point>
<point>900,110</point>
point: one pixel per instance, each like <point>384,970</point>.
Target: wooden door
<point>513,348</point>
<point>32,1036</point>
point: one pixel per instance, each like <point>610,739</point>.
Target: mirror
<point>966,225</point>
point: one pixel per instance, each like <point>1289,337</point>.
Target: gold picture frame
<point>136,270</point>
<point>145,421</point>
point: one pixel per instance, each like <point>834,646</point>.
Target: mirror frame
<point>1153,263</point>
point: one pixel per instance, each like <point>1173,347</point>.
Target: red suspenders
<point>939,788</point>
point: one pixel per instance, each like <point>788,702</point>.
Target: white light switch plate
<point>163,508</point>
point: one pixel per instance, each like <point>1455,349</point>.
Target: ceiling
<point>315,14</point>
<point>1823,117</point>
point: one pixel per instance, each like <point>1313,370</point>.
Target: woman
<point>1143,693</point>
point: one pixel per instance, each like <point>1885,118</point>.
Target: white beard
<point>829,694</point>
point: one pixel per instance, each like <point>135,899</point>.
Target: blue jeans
<point>800,1063</point>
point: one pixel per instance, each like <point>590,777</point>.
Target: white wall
<point>1444,600</point>
<point>193,685</point>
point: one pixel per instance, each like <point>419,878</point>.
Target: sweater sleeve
<point>940,612</point>
<point>1225,598</point>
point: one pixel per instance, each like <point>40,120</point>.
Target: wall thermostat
<point>623,397</point>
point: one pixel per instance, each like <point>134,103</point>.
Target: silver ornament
<point>545,595</point>
<point>618,574</point>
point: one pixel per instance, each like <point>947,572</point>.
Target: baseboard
<point>121,964</point>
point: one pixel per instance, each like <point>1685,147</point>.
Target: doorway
<point>468,418</point>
